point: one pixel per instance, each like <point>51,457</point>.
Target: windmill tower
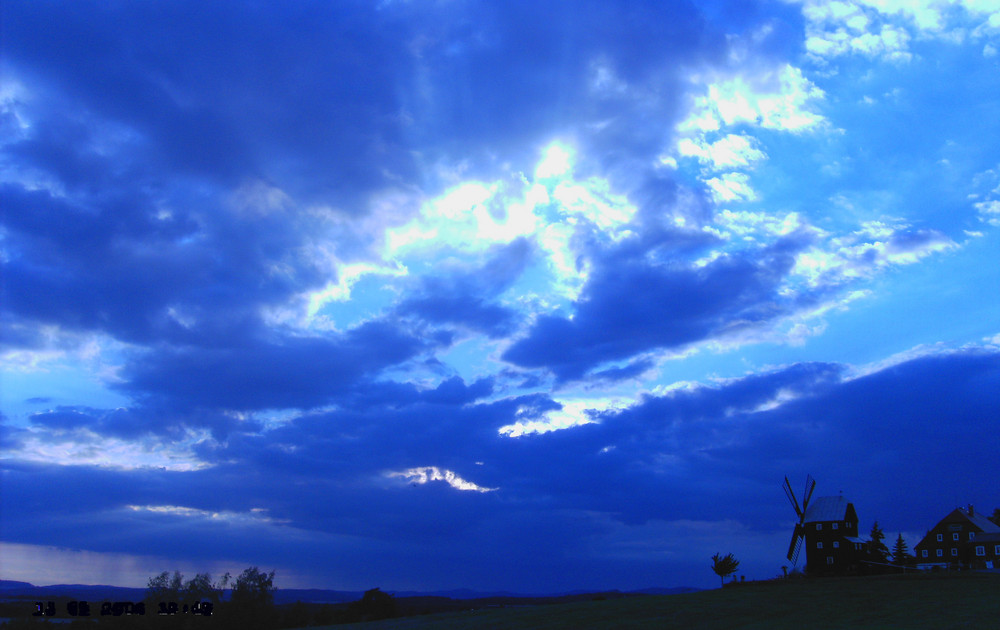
<point>798,534</point>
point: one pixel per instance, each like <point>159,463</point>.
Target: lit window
<point>819,545</point>
<point>829,559</point>
<point>940,537</point>
<point>819,526</point>
<point>972,535</point>
<point>980,550</point>
<point>954,536</point>
<point>924,553</point>
<point>836,545</point>
<point>836,525</point>
<point>940,552</point>
<point>996,550</point>
<point>954,551</point>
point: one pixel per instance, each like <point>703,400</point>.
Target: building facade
<point>962,539</point>
<point>831,538</point>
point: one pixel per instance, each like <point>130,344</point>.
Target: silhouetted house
<point>831,535</point>
<point>986,551</point>
<point>963,539</point>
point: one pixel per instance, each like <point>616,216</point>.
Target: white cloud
<point>594,201</point>
<point>348,276</point>
<point>916,352</point>
<point>254,515</point>
<point>551,209</point>
<point>752,225</point>
<point>779,98</point>
<point>989,212</point>
<point>875,246</point>
<point>89,449</point>
<point>885,28</point>
<point>728,152</point>
<point>574,413</point>
<point>426,474</point>
<point>556,162</point>
<point>259,198</point>
<point>731,187</point>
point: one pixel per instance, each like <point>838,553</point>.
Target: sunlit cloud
<point>574,413</point>
<point>254,515</point>
<point>886,28</point>
<point>427,474</point>
<point>85,448</point>
<point>348,276</point>
<point>780,98</point>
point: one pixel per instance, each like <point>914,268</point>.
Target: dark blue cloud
<point>163,422</point>
<point>632,370</point>
<point>108,264</point>
<point>138,109</point>
<point>630,305</point>
<point>705,454</point>
<point>468,298</point>
<point>231,94</point>
<point>289,372</point>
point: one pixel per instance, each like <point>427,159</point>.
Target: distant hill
<point>89,592</point>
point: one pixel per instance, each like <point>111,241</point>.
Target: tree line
<point>244,602</point>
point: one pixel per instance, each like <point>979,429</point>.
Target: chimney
<point>972,510</point>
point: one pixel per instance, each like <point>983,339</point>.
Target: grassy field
<point>911,601</point>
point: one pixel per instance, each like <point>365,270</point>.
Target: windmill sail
<point>798,534</point>
<point>810,486</point>
<point>795,545</point>
<point>791,498</point>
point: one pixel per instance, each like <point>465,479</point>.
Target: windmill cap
<point>827,509</point>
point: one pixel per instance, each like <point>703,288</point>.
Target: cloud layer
<point>519,296</point>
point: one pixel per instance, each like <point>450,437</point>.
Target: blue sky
<point>523,296</point>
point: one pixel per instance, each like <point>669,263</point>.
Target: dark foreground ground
<point>937,601</point>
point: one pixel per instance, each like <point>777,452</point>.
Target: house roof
<point>827,509</point>
<point>976,519</point>
<point>854,539</point>
<point>984,537</point>
<point>980,521</point>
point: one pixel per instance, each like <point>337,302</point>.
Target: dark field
<point>911,601</point>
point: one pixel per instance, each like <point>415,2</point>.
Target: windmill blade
<point>791,499</point>
<point>810,486</point>
<point>795,544</point>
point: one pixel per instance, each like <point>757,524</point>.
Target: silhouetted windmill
<point>799,532</point>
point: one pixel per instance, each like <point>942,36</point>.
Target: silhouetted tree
<point>251,604</point>
<point>164,587</point>
<point>375,604</point>
<point>171,602</point>
<point>724,565</point>
<point>200,589</point>
<point>995,517</point>
<point>254,588</point>
<point>900,552</point>
<point>880,553</point>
